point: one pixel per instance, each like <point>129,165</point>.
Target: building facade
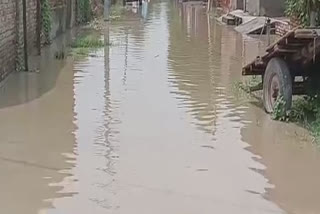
<point>271,8</point>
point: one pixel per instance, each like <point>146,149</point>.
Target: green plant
<point>304,109</point>
<point>46,20</point>
<point>80,52</point>
<point>279,110</point>
<point>87,42</point>
<point>85,11</point>
<point>254,83</point>
<point>315,127</point>
<point>117,12</point>
<point>306,112</point>
<point>300,10</point>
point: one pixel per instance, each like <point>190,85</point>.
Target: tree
<point>304,11</point>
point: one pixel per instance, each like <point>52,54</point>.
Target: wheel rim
<point>274,90</point>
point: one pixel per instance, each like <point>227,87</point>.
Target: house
<point>271,8</point>
<point>229,5</point>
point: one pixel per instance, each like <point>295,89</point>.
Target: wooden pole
<point>25,40</point>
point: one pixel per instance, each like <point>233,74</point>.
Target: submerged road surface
<point>151,125</point>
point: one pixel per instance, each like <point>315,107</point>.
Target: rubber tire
<point>279,67</point>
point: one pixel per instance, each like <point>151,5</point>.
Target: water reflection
<point>205,59</point>
<point>147,125</point>
<point>291,159</point>
<point>25,87</point>
<point>36,140</point>
<point>202,81</point>
<point>193,61</point>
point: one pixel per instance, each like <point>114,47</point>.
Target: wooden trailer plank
<point>298,46</point>
<point>281,40</point>
<point>306,33</point>
<point>284,49</point>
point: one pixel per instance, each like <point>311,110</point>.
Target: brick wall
<point>32,23</point>
<point>7,37</point>
<point>11,31</point>
<point>225,5</point>
<point>229,5</point>
<point>283,26</point>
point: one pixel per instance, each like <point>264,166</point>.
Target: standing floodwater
<point>151,125</point>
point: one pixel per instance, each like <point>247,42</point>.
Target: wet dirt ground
<point>151,124</point>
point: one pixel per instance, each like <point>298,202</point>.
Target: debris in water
<point>208,147</point>
<point>202,170</point>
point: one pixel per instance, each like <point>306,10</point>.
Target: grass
<point>88,41</point>
<point>279,111</point>
<point>117,13</point>
<point>84,45</point>
<point>244,88</point>
<point>305,110</point>
<point>80,52</point>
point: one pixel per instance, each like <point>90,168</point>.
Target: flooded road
<point>151,125</point>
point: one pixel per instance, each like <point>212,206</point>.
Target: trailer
<point>287,66</point>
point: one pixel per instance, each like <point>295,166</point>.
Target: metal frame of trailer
<point>296,54</point>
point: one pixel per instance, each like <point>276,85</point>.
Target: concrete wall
<point>253,7</point>
<point>59,21</point>
<point>229,5</point>
<point>271,8</point>
<point>239,4</point>
<point>63,16</point>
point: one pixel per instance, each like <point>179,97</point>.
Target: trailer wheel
<point>277,82</point>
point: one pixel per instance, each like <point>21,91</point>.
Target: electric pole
<point>106,10</point>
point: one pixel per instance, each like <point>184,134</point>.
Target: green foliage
<point>85,11</point>
<point>87,42</point>
<point>279,110</point>
<point>247,87</point>
<point>306,111</point>
<point>250,83</point>
<point>79,53</point>
<point>300,10</point>
<point>117,13</point>
<point>46,20</point>
<point>86,45</point>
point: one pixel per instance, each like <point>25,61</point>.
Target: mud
<point>151,125</point>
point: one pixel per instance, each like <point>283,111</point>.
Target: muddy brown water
<point>151,125</point>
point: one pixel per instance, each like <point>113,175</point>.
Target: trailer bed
<point>301,46</point>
